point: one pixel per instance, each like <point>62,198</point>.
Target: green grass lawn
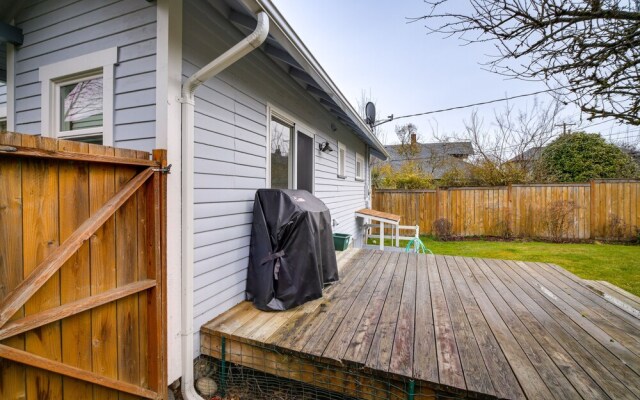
<point>617,264</point>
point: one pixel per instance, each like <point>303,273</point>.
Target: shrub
<point>492,173</point>
<point>409,176</point>
<point>442,228</point>
<point>557,217</point>
<point>616,227</point>
<point>579,157</point>
<point>454,176</point>
<point>501,229</point>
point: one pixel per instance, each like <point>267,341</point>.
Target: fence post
<point>223,366</point>
<point>510,214</point>
<point>437,203</point>
<point>417,204</point>
<point>592,210</point>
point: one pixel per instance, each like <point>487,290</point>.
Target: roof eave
<point>287,38</point>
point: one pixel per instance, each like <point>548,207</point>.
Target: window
<point>342,159</point>
<point>78,98</point>
<point>281,168</point>
<point>291,155</point>
<point>359,167</point>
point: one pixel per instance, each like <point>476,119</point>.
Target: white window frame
<point>342,167</point>
<point>359,159</point>
<point>53,76</point>
<point>293,145</point>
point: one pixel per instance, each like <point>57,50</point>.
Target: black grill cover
<point>292,254</point>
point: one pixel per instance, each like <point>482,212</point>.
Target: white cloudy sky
<point>368,45</point>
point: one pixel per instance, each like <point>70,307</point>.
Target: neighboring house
<point>528,157</point>
<point>433,158</point>
<point>111,73</point>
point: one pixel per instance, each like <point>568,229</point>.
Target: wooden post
<point>437,202</point>
<point>157,327</point>
<point>381,246</point>
<point>592,209</point>
<point>510,213</point>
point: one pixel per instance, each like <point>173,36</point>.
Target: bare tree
<point>409,146</point>
<point>587,51</point>
<point>509,146</point>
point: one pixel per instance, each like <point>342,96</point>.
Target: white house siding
<point>231,156</point>
<point>56,30</point>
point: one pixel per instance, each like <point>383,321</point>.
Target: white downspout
<point>251,42</point>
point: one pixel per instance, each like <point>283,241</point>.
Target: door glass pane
<point>280,160</point>
<point>81,105</point>
<point>304,159</point>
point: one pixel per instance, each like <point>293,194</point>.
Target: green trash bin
<point>341,241</point>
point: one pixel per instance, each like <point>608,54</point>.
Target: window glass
<point>280,154</point>
<point>359,166</point>
<point>342,156</point>
<point>3,124</point>
<point>81,105</point>
<point>304,172</point>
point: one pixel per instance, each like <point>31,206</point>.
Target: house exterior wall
<point>3,94</point>
<point>3,100</point>
<point>62,29</point>
<point>231,156</point>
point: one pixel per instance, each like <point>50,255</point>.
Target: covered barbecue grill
<point>292,255</point>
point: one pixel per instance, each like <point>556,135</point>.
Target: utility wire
<point>467,105</point>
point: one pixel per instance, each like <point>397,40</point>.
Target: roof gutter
<point>333,91</point>
<point>241,49</point>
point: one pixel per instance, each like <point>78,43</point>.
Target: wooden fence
<point>81,271</point>
<point>601,209</point>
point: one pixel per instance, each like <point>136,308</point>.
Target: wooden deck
<point>465,326</point>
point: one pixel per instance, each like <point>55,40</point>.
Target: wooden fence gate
<point>82,271</point>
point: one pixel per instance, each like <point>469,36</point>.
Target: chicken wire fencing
<point>231,370</point>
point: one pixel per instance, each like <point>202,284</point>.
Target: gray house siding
<point>62,29</point>
<point>231,139</point>
<point>3,96</point>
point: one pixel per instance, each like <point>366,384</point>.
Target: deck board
<point>475,371</point>
<point>462,326</point>
<point>619,297</point>
<point>382,344</point>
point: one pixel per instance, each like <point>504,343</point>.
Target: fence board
<point>103,252</point>
<point>41,236</point>
<point>11,374</point>
<point>603,209</point>
<point>127,272</point>
<point>75,274</point>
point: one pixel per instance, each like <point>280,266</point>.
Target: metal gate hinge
<point>165,170</point>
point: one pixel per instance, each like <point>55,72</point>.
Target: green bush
<point>580,157</point>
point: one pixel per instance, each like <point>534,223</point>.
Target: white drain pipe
<point>244,47</point>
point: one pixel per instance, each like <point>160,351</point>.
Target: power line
<point>468,105</point>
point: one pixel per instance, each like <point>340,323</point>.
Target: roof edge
<point>313,67</point>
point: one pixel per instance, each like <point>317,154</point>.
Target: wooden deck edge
<point>333,377</point>
<point>324,372</point>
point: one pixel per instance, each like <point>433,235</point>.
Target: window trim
<point>52,76</point>
<point>359,158</point>
<point>297,126</point>
<point>342,168</point>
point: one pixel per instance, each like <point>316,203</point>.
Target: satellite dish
<point>370,111</point>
